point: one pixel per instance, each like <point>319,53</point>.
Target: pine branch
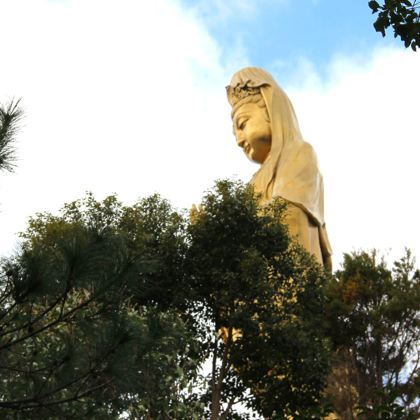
<point>9,122</point>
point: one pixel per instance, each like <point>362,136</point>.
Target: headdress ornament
<point>241,91</point>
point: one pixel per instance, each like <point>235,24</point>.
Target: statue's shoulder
<point>307,152</point>
<point>307,147</point>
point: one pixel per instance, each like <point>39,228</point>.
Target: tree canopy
<point>373,316</point>
<point>73,340</point>
<point>111,310</point>
<point>402,16</point>
<point>262,298</point>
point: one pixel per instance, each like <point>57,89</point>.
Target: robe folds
<point>291,169</point>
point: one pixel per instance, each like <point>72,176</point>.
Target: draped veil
<point>291,169</point>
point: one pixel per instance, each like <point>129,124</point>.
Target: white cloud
<point>123,97</point>
<point>129,97</point>
<point>221,10</point>
<point>363,122</point>
<point>215,12</point>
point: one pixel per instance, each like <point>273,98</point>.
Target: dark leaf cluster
<point>110,311</point>
<point>402,16</point>
<point>81,333</point>
<point>263,297</point>
<point>374,315</point>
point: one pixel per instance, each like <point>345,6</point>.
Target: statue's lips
<point>247,148</point>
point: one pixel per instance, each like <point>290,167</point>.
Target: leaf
<point>374,5</point>
<point>380,27</point>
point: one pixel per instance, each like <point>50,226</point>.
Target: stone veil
<point>290,168</point>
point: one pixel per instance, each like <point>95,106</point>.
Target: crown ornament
<point>241,91</point>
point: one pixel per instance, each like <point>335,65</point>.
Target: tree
<point>404,18</point>
<point>373,317</point>
<point>259,296</point>
<point>109,310</point>
<point>74,341</point>
<point>10,116</point>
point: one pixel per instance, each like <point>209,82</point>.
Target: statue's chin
<point>256,159</point>
<point>251,158</point>
<point>256,155</point>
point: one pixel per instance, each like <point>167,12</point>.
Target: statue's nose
<point>240,139</point>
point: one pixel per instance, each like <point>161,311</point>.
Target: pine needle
<point>10,117</point>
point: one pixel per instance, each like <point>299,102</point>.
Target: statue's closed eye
<point>241,123</point>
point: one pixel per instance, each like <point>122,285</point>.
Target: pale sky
<point>128,97</point>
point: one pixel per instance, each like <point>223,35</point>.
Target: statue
<point>266,127</point>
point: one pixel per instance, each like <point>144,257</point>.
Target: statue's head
<point>251,122</point>
<point>264,121</point>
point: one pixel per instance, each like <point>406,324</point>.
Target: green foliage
<point>9,120</point>
<point>373,315</point>
<point>404,18</point>
<point>110,310</point>
<point>74,339</point>
<point>261,295</point>
<point>388,409</point>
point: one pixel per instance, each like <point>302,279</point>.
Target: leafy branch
<point>404,18</point>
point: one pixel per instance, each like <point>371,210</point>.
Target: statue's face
<point>252,131</point>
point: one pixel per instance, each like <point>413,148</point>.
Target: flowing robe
<point>291,169</point>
